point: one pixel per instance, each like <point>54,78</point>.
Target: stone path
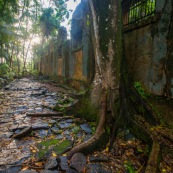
<point>38,144</point>
<point>26,96</point>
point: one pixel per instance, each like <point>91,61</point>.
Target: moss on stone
<point>87,110</point>
<point>62,146</point>
<point>53,145</point>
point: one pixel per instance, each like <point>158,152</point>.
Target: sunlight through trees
<point>25,23</point>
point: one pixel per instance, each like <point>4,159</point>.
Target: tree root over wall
<point>152,164</point>
<point>156,135</point>
<point>159,137</point>
<point>93,141</point>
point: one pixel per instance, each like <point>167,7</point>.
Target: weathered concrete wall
<point>81,45</point>
<point>71,60</point>
<point>148,47</point>
<point>78,73</point>
<point>148,51</point>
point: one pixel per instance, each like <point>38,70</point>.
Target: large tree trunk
<point>112,92</point>
<point>107,43</point>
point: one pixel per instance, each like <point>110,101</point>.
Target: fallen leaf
<point>39,164</point>
<point>163,170</point>
<point>25,168</point>
<point>54,154</point>
<point>34,151</point>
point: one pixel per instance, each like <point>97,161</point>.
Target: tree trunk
<point>108,57</point>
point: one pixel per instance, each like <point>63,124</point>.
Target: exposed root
<point>45,114</point>
<point>160,136</point>
<point>147,107</point>
<point>93,141</point>
<point>123,116</point>
<point>115,127</point>
<point>155,133</point>
<point>152,164</point>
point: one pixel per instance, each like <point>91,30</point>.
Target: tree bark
<point>108,59</point>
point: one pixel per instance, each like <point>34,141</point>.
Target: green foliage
<point>140,90</point>
<point>21,22</point>
<point>34,72</point>
<point>130,168</point>
<point>15,30</point>
<point>7,9</point>
<point>9,75</point>
<point>48,22</point>
<point>4,69</point>
<point>51,18</point>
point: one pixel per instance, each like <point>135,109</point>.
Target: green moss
<point>42,153</point>
<point>93,126</point>
<point>76,129</point>
<point>141,90</point>
<point>49,142</point>
<point>62,146</point>
<point>87,110</point>
<point>64,104</point>
<point>53,145</point>
<point>45,146</point>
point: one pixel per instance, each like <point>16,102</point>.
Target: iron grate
<point>137,10</point>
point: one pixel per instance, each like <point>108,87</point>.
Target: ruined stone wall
<point>149,51</point>
<point>71,61</point>
<point>148,47</point>
<point>81,55</point>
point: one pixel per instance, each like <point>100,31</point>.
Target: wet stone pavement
<point>45,137</point>
<point>33,144</point>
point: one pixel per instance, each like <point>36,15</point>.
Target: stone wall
<point>149,50</point>
<point>71,61</point>
<point>148,47</point>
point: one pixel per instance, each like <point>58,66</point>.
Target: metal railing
<point>137,10</point>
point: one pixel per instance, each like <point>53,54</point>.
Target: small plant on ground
<point>129,167</point>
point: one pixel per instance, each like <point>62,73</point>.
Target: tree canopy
<point>21,21</point>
